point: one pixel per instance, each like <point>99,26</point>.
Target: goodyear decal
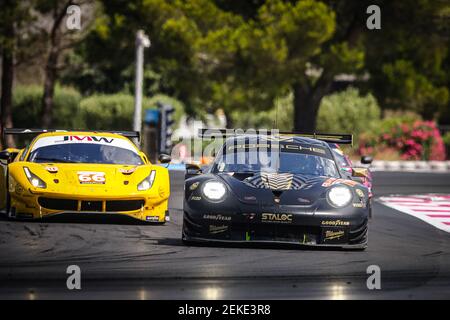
<point>217,217</point>
<point>335,223</point>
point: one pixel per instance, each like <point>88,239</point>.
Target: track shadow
<point>89,218</point>
<point>256,245</point>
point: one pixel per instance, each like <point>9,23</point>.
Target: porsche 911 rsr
<point>83,173</point>
<point>277,189</point>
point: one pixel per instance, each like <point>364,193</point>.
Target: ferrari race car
<point>285,188</point>
<point>82,172</point>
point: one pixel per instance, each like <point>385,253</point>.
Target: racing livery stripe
<point>431,208</point>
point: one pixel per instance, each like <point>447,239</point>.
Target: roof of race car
<point>83,133</point>
<point>281,138</point>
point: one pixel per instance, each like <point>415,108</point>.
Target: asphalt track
<point>124,260</point>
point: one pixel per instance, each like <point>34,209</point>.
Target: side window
<point>24,153</point>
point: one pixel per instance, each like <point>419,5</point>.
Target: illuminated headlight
<point>339,196</point>
<point>34,179</point>
<point>147,182</point>
<point>214,190</point>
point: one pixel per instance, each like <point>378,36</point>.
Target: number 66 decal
<point>88,177</point>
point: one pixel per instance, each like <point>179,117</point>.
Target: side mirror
<point>164,158</point>
<point>366,159</point>
<point>5,155</point>
<point>360,172</point>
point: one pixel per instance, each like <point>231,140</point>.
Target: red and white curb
<point>431,208</point>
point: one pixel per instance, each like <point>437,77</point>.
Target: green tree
<point>57,39</point>
<point>238,55</point>
<point>406,59</point>
<point>14,16</point>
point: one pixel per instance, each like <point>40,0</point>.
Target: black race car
<point>283,188</point>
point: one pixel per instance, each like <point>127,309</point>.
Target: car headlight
<point>214,190</point>
<point>34,179</point>
<point>340,196</point>
<point>147,182</point>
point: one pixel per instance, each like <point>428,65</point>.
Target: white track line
<point>431,208</point>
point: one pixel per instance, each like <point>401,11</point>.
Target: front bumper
<point>319,229</point>
<point>33,206</point>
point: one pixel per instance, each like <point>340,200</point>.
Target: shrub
<point>27,107</point>
<point>115,111</point>
<point>280,116</point>
<point>420,140</point>
<point>348,112</point>
<point>342,112</point>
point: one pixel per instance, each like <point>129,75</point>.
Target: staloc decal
<point>276,217</point>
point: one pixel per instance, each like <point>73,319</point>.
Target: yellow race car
<point>82,172</point>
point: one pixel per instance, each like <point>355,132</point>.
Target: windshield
<point>254,161</point>
<point>341,160</point>
<point>85,153</point>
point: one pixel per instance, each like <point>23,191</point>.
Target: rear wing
<point>17,131</point>
<point>326,137</point>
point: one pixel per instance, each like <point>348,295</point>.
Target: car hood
<point>292,189</point>
<point>86,179</point>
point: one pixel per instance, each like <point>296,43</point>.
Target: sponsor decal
<point>276,217</point>
<point>216,217</point>
<point>152,218</point>
<point>196,198</point>
<point>358,205</point>
<point>283,147</point>
<point>331,181</point>
<point>51,169</point>
<point>127,171</point>
<point>91,177</point>
<point>76,139</point>
<point>86,138</point>
<point>217,229</point>
<point>333,235</point>
<point>194,186</point>
<point>335,223</point>
<point>317,150</point>
<point>360,193</point>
